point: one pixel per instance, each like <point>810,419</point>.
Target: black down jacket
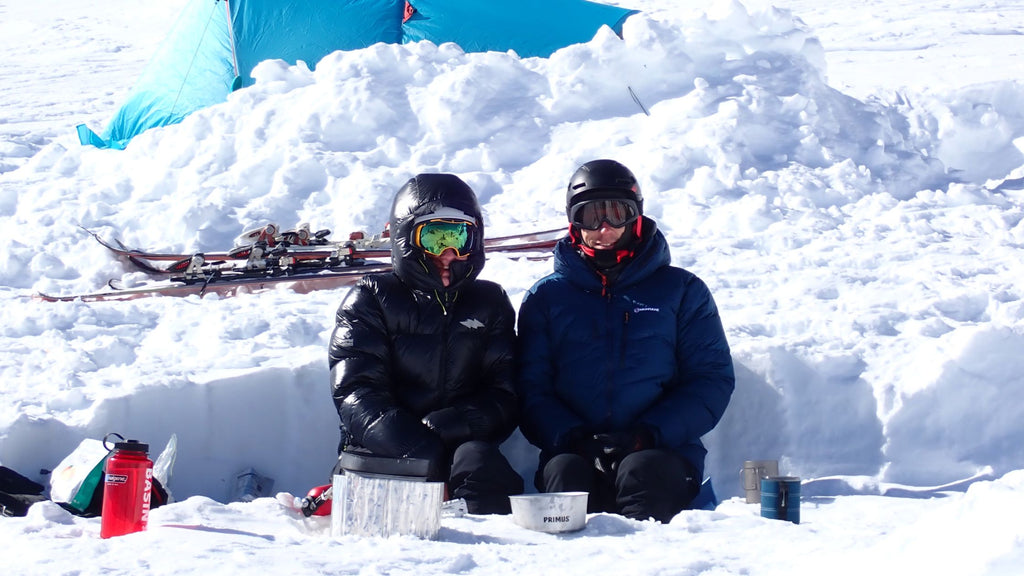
<point>405,347</point>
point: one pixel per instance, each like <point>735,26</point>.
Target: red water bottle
<point>127,486</point>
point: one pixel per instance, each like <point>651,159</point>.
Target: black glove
<point>607,449</point>
<point>399,434</point>
<point>431,448</point>
<point>627,442</point>
<point>450,425</point>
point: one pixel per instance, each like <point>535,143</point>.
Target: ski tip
<point>115,245</point>
<point>145,266</point>
<point>44,297</point>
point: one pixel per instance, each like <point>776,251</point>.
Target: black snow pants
<point>482,477</point>
<point>646,484</point>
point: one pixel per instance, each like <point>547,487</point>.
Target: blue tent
<point>215,44</point>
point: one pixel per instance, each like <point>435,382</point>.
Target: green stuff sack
<point>77,482</point>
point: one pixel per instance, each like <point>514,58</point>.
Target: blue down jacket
<point>648,350</point>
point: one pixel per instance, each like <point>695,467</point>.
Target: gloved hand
<point>581,441</point>
<point>626,442</point>
<point>430,447</point>
<point>450,425</point>
<point>400,434</point>
<point>607,449</point>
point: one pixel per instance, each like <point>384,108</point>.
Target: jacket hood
<point>422,197</point>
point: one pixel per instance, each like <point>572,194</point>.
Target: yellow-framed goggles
<point>436,236</point>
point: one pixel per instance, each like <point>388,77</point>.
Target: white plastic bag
<point>79,474</point>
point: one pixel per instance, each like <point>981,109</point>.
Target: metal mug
<point>753,472</point>
<point>780,498</point>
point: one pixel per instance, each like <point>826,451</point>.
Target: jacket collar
<point>652,254</point>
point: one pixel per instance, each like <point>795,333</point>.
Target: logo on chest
<point>639,307</point>
<point>472,323</point>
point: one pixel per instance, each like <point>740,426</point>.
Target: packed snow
<point>848,178</point>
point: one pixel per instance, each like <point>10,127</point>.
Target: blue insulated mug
<point>780,498</point>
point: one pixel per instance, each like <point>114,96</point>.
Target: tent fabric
<point>192,69</point>
<point>529,27</point>
<point>214,44</point>
<point>308,31</point>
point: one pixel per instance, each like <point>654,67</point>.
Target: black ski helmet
<point>427,196</point>
<point>602,179</point>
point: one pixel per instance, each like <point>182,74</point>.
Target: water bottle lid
<point>132,445</point>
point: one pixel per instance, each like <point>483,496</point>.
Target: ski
<point>259,266</point>
<point>358,247</point>
<point>230,282</point>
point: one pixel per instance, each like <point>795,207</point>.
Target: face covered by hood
<point>422,198</point>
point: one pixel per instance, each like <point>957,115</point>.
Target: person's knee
<point>657,466</point>
<point>474,456</point>
<point>567,460</point>
<point>568,464</point>
<point>483,477</point>
<point>475,451</point>
<point>654,484</point>
<point>566,473</point>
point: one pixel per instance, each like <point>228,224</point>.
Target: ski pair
<point>230,283</point>
<point>358,247</point>
<point>290,267</point>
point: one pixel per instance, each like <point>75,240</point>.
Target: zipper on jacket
<point>446,321</point>
<point>610,363</point>
<point>445,379</point>
<point>441,302</point>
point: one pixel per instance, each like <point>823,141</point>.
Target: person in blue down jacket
<point>623,362</point>
<point>422,358</point>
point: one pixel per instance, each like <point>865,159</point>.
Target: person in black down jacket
<point>421,357</point>
<point>624,364</point>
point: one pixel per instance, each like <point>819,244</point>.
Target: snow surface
<point>848,177</point>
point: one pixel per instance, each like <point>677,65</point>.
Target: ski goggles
<point>617,212</point>
<point>436,236</point>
